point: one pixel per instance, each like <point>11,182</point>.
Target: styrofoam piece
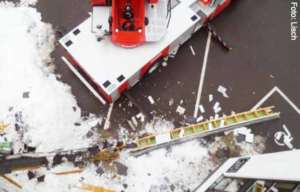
<point>201,108</point>
<point>216,116</point>
<point>216,105</point>
<point>134,120</point>
<point>235,132</point>
<point>142,118</point>
<point>199,119</point>
<point>193,52</point>
<point>210,126</point>
<point>171,101</point>
<point>222,89</point>
<point>164,64</point>
<point>139,115</point>
<point>181,101</point>
<point>287,142</point>
<point>151,100</point>
<point>163,138</point>
<point>211,97</point>
<point>130,104</point>
<point>243,131</point>
<point>107,121</point>
<point>225,95</point>
<point>180,110</point>
<point>181,133</point>
<point>217,110</point>
<point>249,138</point>
<point>131,125</point>
<point>222,123</point>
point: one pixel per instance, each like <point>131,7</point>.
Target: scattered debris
<point>41,178</point>
<point>240,138</point>
<point>107,121</point>
<point>181,101</point>
<point>100,171</point>
<point>69,172</point>
<point>121,169</point>
<point>217,110</point>
<point>272,76</point>
<point>164,64</point>
<point>131,125</point>
<point>192,50</point>
<point>26,94</point>
<point>210,97</point>
<point>222,89</point>
<point>180,110</point>
<point>151,100</point>
<point>171,101</point>
<point>130,104</point>
<point>201,108</point>
<point>199,119</point>
<point>216,105</point>
<point>134,121</point>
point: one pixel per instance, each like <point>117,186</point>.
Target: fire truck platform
<point>263,60</point>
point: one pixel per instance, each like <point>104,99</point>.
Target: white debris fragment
<point>199,119</point>
<point>171,101</point>
<point>151,100</point>
<point>192,50</point>
<point>107,121</point>
<point>143,132</point>
<point>134,121</point>
<point>166,58</point>
<point>211,118</point>
<point>225,95</point>
<point>243,131</point>
<point>222,89</point>
<point>181,101</point>
<point>216,116</point>
<point>210,126</point>
<point>93,122</point>
<point>181,133</point>
<point>210,97</point>
<point>232,113</point>
<point>216,105</point>
<point>180,110</point>
<point>222,123</point>
<point>217,110</point>
<point>164,64</point>
<point>249,138</point>
<point>131,125</point>
<point>201,108</point>
<point>139,115</point>
<point>130,104</point>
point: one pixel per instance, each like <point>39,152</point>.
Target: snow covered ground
<point>43,113</point>
<point>40,109</point>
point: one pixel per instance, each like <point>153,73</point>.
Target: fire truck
<point>126,40</point>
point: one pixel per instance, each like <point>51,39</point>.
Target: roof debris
<point>201,108</point>
<point>180,110</point>
<point>211,97</point>
<point>151,100</point>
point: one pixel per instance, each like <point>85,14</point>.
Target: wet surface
<point>263,57</point>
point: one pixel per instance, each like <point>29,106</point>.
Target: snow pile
<point>159,125</point>
<point>41,110</point>
<point>28,2</point>
<point>178,168</point>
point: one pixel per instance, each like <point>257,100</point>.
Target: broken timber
<point>11,181</point>
<point>88,187</point>
<point>69,172</point>
<point>180,135</point>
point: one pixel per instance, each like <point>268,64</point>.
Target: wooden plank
<point>69,172</point>
<point>11,181</point>
<point>93,188</point>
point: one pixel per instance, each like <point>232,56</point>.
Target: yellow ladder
<point>209,127</point>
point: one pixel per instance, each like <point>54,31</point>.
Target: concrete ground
<point>263,57</point>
